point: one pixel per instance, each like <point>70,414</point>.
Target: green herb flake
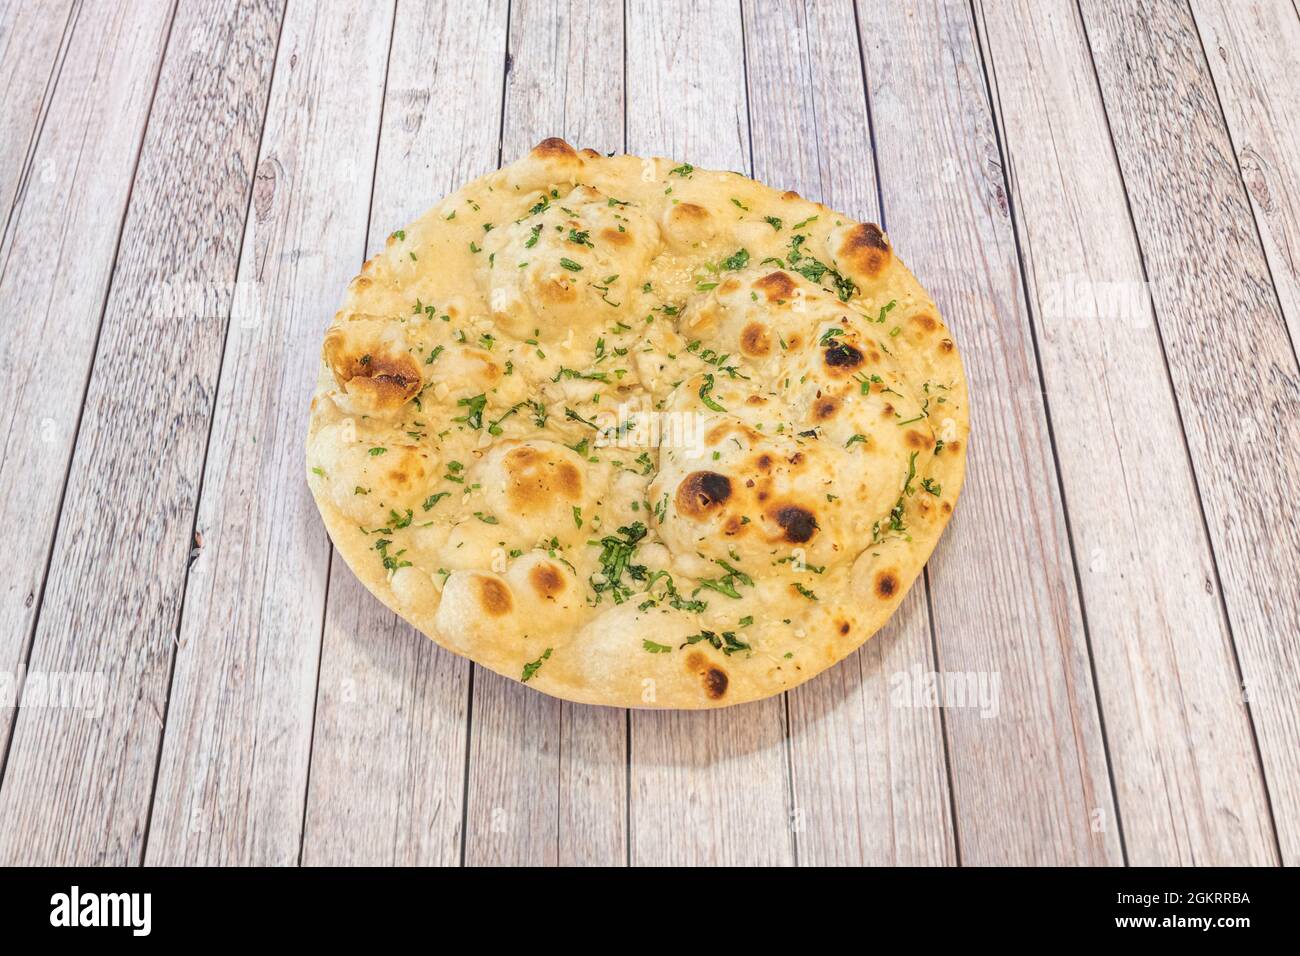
<point>727,642</point>
<point>533,667</point>
<point>804,591</point>
<point>705,390</point>
<point>615,559</point>
<point>474,417</point>
<point>737,260</point>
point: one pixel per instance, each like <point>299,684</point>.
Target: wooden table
<point>1103,198</point>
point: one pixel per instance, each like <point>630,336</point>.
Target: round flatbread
<point>638,433</point>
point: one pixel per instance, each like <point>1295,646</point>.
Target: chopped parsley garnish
<point>727,583</point>
<point>494,428</point>
<point>671,595</point>
<point>737,260</point>
<point>474,417</point>
<point>911,473</point>
<point>896,513</point>
<point>533,667</point>
<point>570,265</point>
<point>539,413</point>
<point>814,270</point>
<point>654,648</point>
<point>391,561</point>
<point>868,382</point>
<point>705,390</point>
<point>727,642</point>
<point>573,416</point>
<point>566,372</point>
<point>615,555</point>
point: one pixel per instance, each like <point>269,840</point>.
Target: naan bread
<point>637,433</point>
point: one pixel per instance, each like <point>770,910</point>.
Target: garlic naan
<point>638,433</point>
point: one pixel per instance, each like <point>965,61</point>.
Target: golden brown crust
<point>492,448</point>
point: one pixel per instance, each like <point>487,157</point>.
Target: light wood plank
<point>388,759</point>
<point>1029,783</point>
<point>1187,777</point>
<point>1253,51</point>
<point>232,777</point>
<point>1233,368</point>
<point>870,783</point>
<point>33,39</point>
<point>711,787</point>
<point>55,266</point>
<point>548,778</point>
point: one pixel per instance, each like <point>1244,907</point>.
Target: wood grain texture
<point>388,760</point>
<point>388,756</point>
<point>707,787</point>
<point>548,778</point>
<point>33,39</point>
<point>232,776</point>
<point>1189,787</point>
<point>1030,783</point>
<point>64,773</point>
<point>869,781</point>
<point>149,405</point>
<point>1253,51</point>
<point>1233,367</point>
